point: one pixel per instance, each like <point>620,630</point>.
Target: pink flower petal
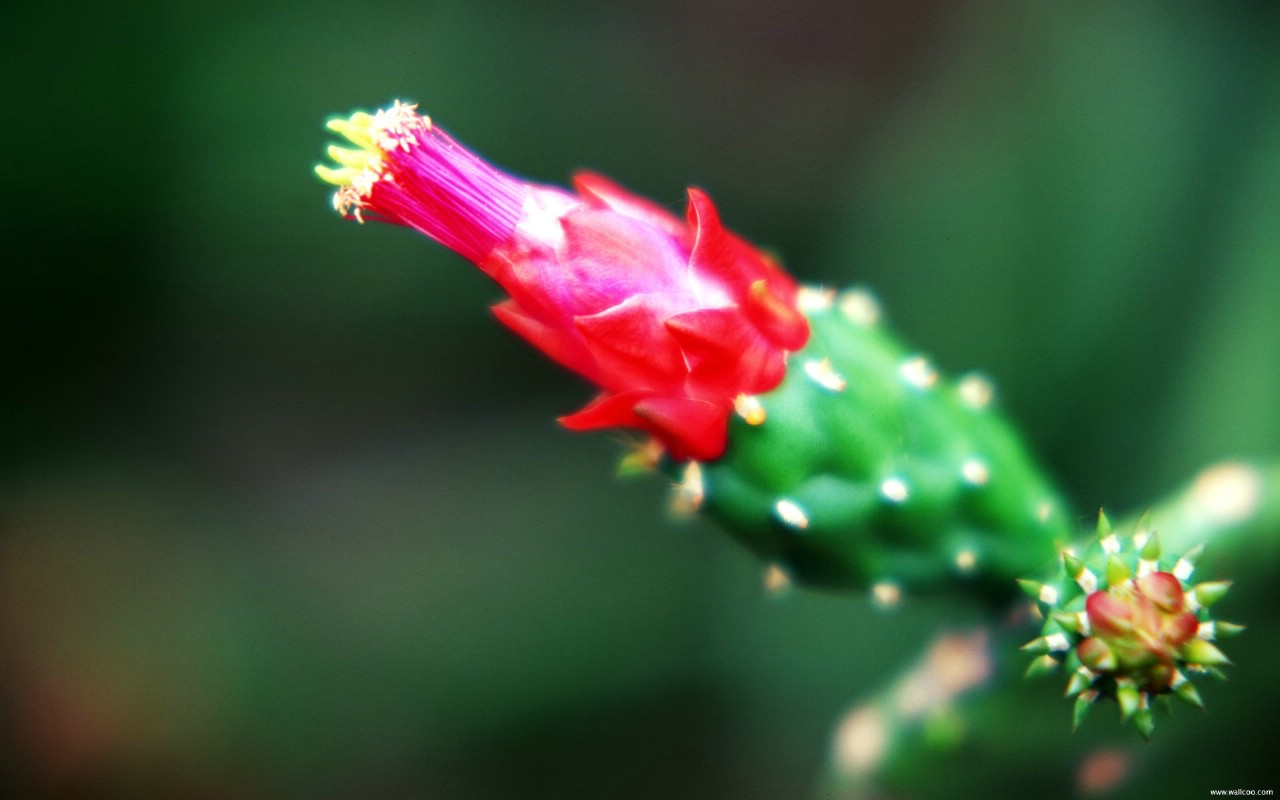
<point>693,428</point>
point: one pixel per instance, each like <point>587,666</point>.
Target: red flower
<point>672,319</point>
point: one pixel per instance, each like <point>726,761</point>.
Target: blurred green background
<point>284,514</point>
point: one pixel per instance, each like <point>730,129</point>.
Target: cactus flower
<point>672,319</point>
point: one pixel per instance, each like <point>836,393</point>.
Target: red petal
<point>766,293</point>
<point>714,252</point>
<point>691,429</point>
<point>599,191</point>
<point>631,345</point>
<point>563,348</point>
<point>711,334</point>
<point>1181,629</point>
<point>1164,590</point>
<point>1109,616</point>
<point>776,318</point>
<point>718,252</point>
<point>725,354</point>
<point>606,411</point>
<point>527,271</point>
<point>608,257</point>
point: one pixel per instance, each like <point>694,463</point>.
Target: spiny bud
<point>1123,621</point>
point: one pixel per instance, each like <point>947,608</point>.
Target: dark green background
<point>286,515</point>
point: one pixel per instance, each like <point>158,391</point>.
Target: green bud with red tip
<point>1125,623</point>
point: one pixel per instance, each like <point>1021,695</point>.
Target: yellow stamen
<point>357,129</point>
<point>338,177</point>
<point>365,159</point>
<point>356,159</point>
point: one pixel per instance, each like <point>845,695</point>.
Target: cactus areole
<point>673,319</point>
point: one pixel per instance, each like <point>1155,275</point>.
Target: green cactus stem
<point>867,469</point>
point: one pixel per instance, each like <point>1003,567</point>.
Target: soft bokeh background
<point>284,514</point>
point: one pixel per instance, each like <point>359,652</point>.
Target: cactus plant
<point>798,421</point>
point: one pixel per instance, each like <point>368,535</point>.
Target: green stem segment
<point>867,469</point>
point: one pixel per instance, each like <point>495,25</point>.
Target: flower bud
<point>672,319</point>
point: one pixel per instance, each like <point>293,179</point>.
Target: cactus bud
<point>1133,626</point>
